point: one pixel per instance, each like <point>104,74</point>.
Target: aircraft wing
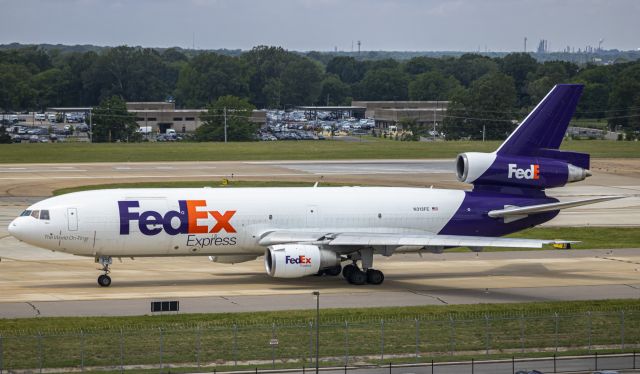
<point>364,239</point>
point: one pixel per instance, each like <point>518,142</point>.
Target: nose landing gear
<point>104,280</point>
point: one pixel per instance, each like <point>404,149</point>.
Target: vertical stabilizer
<point>545,126</point>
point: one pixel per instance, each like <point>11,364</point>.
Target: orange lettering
<point>222,221</point>
<point>194,215</point>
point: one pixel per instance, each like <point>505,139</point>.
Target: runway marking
<point>427,295</point>
<point>34,308</point>
<point>618,260</point>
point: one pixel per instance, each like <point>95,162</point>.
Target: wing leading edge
<point>369,239</point>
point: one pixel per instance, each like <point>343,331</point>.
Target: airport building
<point>391,113</point>
<point>161,116</point>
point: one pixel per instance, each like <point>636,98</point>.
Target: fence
<point>282,345</point>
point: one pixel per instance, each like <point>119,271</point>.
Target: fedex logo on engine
<point>192,218</point>
<point>300,260</point>
<point>532,173</point>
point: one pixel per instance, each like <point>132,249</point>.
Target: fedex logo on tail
<point>532,173</point>
<point>189,220</point>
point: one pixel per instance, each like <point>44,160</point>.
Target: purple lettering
<point>126,216</point>
<point>150,218</point>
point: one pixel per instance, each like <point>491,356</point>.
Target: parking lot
<point>279,125</point>
<point>46,127</point>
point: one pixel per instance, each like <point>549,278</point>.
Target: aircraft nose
<point>14,229</point>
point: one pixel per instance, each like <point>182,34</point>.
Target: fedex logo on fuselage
<point>299,260</point>
<point>532,173</point>
<point>188,220</point>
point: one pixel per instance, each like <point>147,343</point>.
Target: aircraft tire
<point>104,280</point>
<point>347,270</point>
<point>357,277</point>
<point>333,271</point>
<point>375,276</point>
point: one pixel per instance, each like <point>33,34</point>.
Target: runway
<point>36,282</point>
<point>42,283</point>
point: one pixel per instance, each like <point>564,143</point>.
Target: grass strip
<point>281,150</point>
<point>438,331</point>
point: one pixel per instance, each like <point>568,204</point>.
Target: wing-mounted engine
<point>298,260</point>
<point>521,171</point>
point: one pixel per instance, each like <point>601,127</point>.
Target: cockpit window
<point>35,214</point>
<point>44,214</point>
<point>26,213</point>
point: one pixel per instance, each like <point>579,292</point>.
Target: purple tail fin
<point>545,126</point>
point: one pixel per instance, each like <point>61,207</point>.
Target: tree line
<point>484,92</point>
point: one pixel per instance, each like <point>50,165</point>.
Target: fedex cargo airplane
<point>307,231</point>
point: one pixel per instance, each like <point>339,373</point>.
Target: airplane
<point>306,231</point>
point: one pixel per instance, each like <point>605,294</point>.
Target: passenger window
<point>44,214</point>
<point>25,213</point>
<point>35,214</point>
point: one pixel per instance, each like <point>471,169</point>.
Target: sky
<point>323,25</point>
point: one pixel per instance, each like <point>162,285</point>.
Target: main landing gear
<point>354,275</point>
<point>104,280</point>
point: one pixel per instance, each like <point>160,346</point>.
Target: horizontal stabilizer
<point>541,208</point>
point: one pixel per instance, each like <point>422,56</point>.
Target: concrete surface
<point>40,282</point>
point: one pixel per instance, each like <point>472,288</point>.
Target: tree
<point>419,65</point>
<point>348,69</point>
<point>624,100</point>
<point>267,65</point>
<point>238,115</point>
<point>383,84</point>
<point>432,86</point>
<point>209,76</point>
<point>301,82</point>
<point>488,105</point>
<point>469,67</point>
<point>518,66</point>
<point>15,89</point>
<point>4,137</point>
<point>136,74</point>
<point>112,122</point>
<point>334,91</point>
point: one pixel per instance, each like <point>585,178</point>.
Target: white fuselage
<point>224,221</point>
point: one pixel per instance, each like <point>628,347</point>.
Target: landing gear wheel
<point>347,270</point>
<point>104,280</point>
<point>334,270</point>
<point>375,276</point>
<point>357,277</point>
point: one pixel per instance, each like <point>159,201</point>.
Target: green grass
<point>281,150</point>
<point>590,237</point>
<point>443,332</point>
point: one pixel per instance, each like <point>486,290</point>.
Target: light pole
<point>317,295</point>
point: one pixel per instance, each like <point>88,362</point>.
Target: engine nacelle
<point>297,260</point>
<point>518,171</point>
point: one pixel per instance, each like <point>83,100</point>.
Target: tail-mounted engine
<point>522,171</point>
